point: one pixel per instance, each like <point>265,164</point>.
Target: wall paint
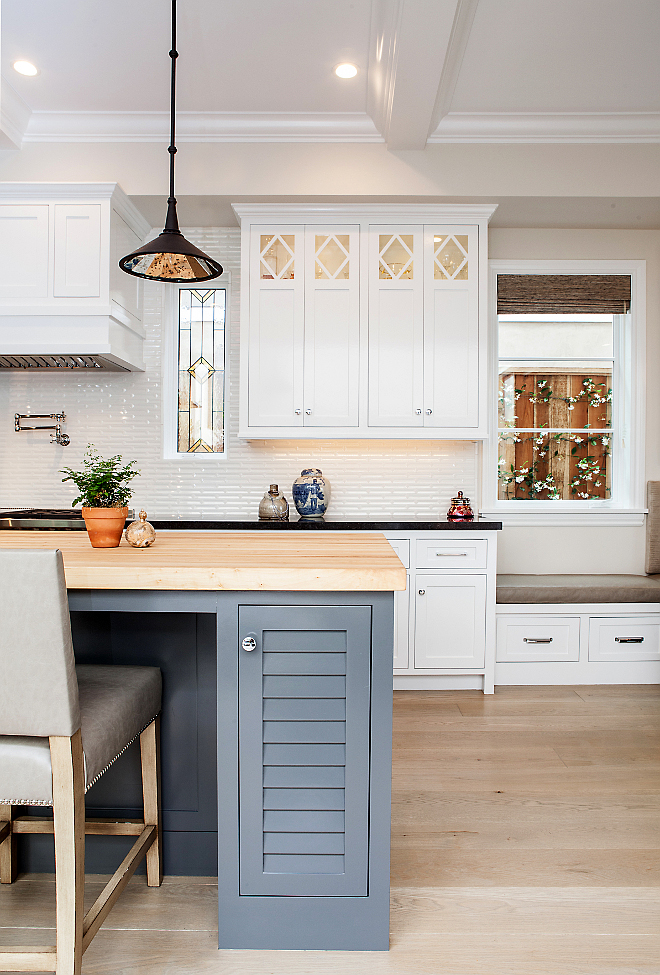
<point>596,550</point>
<point>122,413</point>
<point>329,169</point>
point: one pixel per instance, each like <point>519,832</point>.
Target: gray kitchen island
<point>303,644</point>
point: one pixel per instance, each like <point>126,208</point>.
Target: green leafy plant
<point>101,483</point>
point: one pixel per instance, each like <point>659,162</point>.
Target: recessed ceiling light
<point>25,67</point>
<point>346,70</point>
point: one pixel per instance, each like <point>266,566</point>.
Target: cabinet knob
<point>308,412</point>
<point>249,643</point>
<point>418,412</point>
<point>297,412</point>
<point>422,592</point>
<point>429,412</point>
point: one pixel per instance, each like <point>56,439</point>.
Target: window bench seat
<point>577,589</point>
<point>582,629</point>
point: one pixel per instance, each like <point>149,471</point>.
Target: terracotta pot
<point>105,525</point>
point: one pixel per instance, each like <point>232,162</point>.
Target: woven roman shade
<point>563,294</point>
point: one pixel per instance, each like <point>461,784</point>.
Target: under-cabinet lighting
<point>346,70</point>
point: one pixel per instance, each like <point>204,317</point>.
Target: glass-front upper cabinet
<point>424,327</point>
<point>304,327</point>
<point>369,325</point>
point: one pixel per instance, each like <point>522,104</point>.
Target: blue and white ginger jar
<point>311,494</point>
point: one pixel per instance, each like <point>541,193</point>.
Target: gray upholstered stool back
<point>653,527</point>
<point>38,687</point>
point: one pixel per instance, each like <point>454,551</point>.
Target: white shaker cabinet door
<point>23,251</point>
<point>451,327</point>
<point>450,621</point>
<point>77,272</point>
<point>396,327</point>
<point>277,306</point>
<point>332,326</point>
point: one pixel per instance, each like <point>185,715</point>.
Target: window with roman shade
<point>566,354</point>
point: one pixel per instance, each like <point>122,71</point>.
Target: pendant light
<point>170,257</point>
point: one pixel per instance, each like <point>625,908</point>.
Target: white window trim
<point>170,364</point>
<point>628,507</point>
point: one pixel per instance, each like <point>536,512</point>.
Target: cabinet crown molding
<point>370,212</point>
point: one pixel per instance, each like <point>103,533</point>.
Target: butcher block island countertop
<point>240,561</point>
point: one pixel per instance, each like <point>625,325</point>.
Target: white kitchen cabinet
<point>449,606</point>
<point>24,245</point>
<point>303,349</point>
<point>450,621</point>
<point>396,327</point>
<point>77,265</point>
<point>363,321</point>
<point>522,639</point>
<point>61,291</point>
<point>577,643</point>
<point>424,327</point>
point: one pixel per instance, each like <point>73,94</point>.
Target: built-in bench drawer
<point>624,638</point>
<point>452,554</point>
<point>528,638</point>
<point>402,548</point>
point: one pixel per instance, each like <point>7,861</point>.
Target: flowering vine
<point>589,475</point>
<point>595,394</point>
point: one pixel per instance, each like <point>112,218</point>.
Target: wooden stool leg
<point>8,860</point>
<point>69,815</point>
<point>150,754</point>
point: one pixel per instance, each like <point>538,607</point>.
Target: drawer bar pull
<point>449,555</point>
<point>629,639</point>
<point>538,639</point>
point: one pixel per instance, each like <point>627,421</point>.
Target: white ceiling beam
<point>14,117</point>
<point>460,34</point>
<point>415,55</point>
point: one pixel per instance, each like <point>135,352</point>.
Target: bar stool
<point>61,727</point>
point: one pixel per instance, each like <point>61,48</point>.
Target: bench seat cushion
<point>578,589</point>
<point>116,705</point>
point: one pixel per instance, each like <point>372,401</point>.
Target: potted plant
<point>104,493</point>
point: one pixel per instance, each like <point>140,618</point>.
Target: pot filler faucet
<point>58,437</point>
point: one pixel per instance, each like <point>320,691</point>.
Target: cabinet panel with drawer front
<point>527,638</point>
<point>624,638</point>
<point>452,554</point>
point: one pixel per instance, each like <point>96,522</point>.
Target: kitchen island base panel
<point>297,914</point>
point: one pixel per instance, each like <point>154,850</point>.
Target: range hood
<point>55,363</point>
<point>64,303</point>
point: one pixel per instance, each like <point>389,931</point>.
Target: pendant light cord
<point>172,223</point>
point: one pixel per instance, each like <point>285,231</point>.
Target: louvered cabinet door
<point>304,750</point>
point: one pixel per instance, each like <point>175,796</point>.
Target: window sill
<point>594,517</point>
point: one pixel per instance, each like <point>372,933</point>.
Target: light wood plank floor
<point>525,841</point>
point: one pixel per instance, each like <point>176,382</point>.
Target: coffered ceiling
<point>262,70</point>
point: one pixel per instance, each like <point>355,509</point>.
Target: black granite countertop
<point>327,525</point>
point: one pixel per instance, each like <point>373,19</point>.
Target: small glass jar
<point>273,506</point>
<point>460,509</point>
<point>140,534</point>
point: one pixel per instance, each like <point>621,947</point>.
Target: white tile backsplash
<point>122,413</point>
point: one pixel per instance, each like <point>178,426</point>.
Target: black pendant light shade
<point>170,257</point>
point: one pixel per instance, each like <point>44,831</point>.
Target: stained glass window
<point>201,370</point>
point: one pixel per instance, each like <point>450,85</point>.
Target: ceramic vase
<point>105,525</point>
<point>311,494</point>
